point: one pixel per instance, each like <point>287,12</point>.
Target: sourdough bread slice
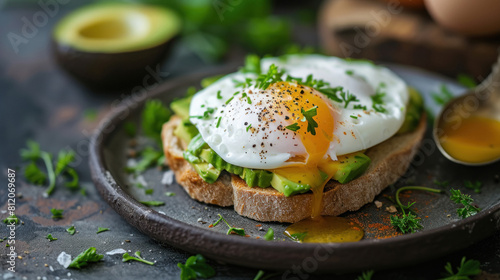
<point>390,159</point>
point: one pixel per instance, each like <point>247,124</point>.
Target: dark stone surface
<point>40,101</point>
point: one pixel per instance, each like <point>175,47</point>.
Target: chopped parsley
<point>377,99</point>
<point>443,96</point>
<point>243,84</point>
<point>149,157</point>
<point>71,230</point>
<point>127,257</point>
<point>51,238</point>
<point>366,275</point>
<point>101,229</point>
<point>468,210</point>
<point>348,97</point>
<point>467,268</point>
<point>57,213</point>
<point>269,235</point>
<point>272,76</point>
<point>149,191</point>
<point>466,80</point>
<point>195,267</point>
<point>153,203</point>
<point>293,127</point>
<point>231,230</point>
<point>12,219</point>
<point>360,107</point>
<point>154,115</point>
<point>218,122</point>
<point>408,222</point>
<point>311,123</point>
<point>35,176</point>
<point>476,186</point>
<point>86,257</point>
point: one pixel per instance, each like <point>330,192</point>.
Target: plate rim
<point>125,205</point>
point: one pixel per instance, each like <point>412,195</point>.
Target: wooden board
<point>385,31</point>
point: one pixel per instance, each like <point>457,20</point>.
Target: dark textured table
<point>39,101</point>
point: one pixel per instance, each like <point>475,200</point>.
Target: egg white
<point>239,140</point>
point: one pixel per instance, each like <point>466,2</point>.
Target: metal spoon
<point>481,101</point>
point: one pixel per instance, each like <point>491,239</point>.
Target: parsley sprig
<point>195,267</point>
<point>466,200</point>
<point>137,257</point>
<point>272,76</point>
<point>36,176</point>
<point>467,268</point>
<point>308,116</point>
<point>57,213</point>
<point>12,219</point>
<point>83,259</point>
<point>408,222</point>
<point>476,186</point>
<point>231,230</point>
<point>366,275</point>
<point>348,97</point>
<point>293,127</point>
<point>378,99</point>
<point>51,238</point>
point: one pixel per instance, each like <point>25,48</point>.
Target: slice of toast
<point>390,159</point>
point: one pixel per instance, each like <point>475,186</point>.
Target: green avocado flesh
<point>413,111</point>
<point>209,164</point>
<point>117,27</point>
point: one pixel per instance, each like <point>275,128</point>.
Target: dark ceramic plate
<point>180,221</point>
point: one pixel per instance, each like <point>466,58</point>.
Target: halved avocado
<point>115,44</point>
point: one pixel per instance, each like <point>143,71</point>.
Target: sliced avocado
<point>287,187</point>
<point>196,145</point>
<point>115,44</point>
<point>257,177</point>
<point>210,80</point>
<point>207,172</point>
<point>413,111</point>
<point>347,167</point>
<point>186,131</point>
<point>181,107</point>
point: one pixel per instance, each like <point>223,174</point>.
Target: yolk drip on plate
<point>293,101</point>
<point>474,140</point>
<point>325,229</point>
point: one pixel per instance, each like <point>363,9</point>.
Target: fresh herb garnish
<point>360,107</point>
<point>347,98</point>
<point>33,173</point>
<point>154,115</point>
<point>408,222</point>
<point>12,219</point>
<point>127,257</point>
<point>218,122</point>
<point>366,275</point>
<point>311,123</point>
<point>293,127</point>
<point>476,186</point>
<point>71,230</point>
<point>467,268</point>
<point>354,117</point>
<point>252,64</point>
<point>57,213</point>
<point>208,111</point>
<point>51,238</point>
<point>299,237</point>
<point>101,229</point>
<point>170,194</point>
<point>269,235</point>
<point>272,76</point>
<point>153,203</point>
<point>243,84</point>
<point>349,72</point>
<point>443,96</point>
<point>149,191</point>
<point>466,80</point>
<point>309,82</point>
<point>218,95</point>
<point>441,183</point>
<point>468,210</point>
<point>149,157</point>
<point>195,267</point>
<point>358,60</point>
<point>231,230</point>
<point>86,257</point>
<point>377,99</point>
<point>248,127</point>
<point>130,129</point>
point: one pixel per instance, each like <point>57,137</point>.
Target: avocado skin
<point>113,70</point>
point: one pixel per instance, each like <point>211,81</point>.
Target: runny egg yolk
<point>292,101</point>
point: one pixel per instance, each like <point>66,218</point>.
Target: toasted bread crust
<point>390,159</point>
